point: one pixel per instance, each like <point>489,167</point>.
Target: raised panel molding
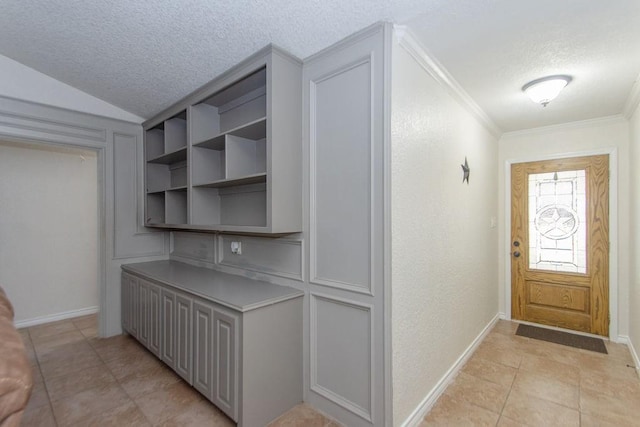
<point>200,247</point>
<point>360,309</point>
<point>315,276</point>
<point>129,241</point>
<point>282,257</point>
<point>276,257</point>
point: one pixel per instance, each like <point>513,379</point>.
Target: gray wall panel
<point>128,207</point>
<point>276,257</point>
<point>196,246</point>
<point>345,130</point>
<point>341,178</point>
<point>280,257</point>
<point>341,335</point>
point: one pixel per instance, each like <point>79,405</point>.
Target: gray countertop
<point>236,292</point>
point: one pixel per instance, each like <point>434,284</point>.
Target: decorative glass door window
<point>557,221</point>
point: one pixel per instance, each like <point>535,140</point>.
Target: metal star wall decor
<point>465,171</point>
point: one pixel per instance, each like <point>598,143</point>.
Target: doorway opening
<point>50,217</point>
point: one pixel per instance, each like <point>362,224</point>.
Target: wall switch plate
<point>493,222</point>
<point>236,248</point>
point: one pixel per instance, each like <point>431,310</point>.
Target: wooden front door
<point>560,243</point>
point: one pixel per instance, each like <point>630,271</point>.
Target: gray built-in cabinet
<point>228,156</point>
<point>236,340</point>
<point>338,113</point>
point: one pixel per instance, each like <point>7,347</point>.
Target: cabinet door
<point>203,348</point>
<point>168,310</point>
<point>124,301</point>
<point>183,337</point>
<point>225,351</point>
<point>134,306</point>
<point>154,320</point>
<point>143,326</point>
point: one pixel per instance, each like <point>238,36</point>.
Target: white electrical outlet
<point>236,248</point>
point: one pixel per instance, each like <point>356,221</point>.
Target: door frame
<point>613,228</point>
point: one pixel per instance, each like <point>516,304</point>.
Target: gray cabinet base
<point>249,364</point>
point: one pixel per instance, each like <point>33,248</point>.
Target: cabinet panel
<point>224,367</point>
<point>168,345</point>
<point>154,320</point>
<point>203,348</point>
<point>143,328</point>
<point>125,301</point>
<point>134,302</point>
<point>183,337</point>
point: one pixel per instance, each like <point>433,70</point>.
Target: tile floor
<point>516,381</point>
<point>81,380</point>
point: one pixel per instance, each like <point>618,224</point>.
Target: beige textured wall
<point>444,267</point>
<point>602,135</point>
<point>48,229</point>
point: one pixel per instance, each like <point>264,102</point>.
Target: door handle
<point>516,254</point>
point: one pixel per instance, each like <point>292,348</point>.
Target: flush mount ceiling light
<point>542,91</point>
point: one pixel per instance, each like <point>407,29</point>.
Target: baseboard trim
<point>55,317</point>
<point>427,403</point>
<point>623,339</point>
<point>620,339</point>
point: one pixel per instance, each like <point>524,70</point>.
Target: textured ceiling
<point>492,48</point>
<point>143,56</point>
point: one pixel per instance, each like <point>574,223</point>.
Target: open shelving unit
<point>166,171</point>
<point>215,161</point>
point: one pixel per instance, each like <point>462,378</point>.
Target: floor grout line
<point>549,360</point>
<point>44,382</point>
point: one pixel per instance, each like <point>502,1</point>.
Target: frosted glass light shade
<point>542,91</point>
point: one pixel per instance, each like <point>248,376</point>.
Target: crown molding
<point>580,124</point>
<point>349,40</point>
<point>631,105</point>
<point>408,41</point>
<point>34,104</point>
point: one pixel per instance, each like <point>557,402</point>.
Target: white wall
<point>444,269</point>
<point>21,82</point>
<point>575,139</point>
<point>634,233</point>
<point>48,229</point>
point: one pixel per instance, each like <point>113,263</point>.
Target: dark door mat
<point>564,338</point>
